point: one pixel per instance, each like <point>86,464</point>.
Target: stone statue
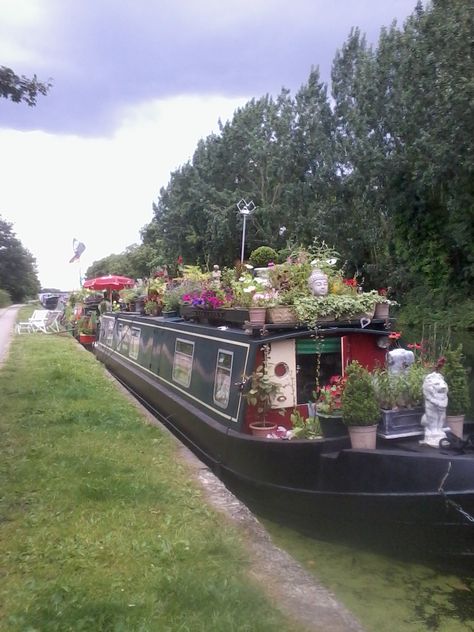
<point>435,392</point>
<point>318,282</point>
<point>399,360</point>
<point>216,275</point>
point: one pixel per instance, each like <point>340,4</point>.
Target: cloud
<point>106,55</point>
<point>98,190</point>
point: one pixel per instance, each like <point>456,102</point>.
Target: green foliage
<point>5,299</point>
<point>18,274</point>
<point>359,405</point>
<point>305,427</point>
<point>88,324</point>
<point>103,527</point>
<point>20,88</point>
<point>310,309</point>
<point>456,378</point>
<point>382,170</point>
<point>262,256</point>
<point>261,392</point>
<point>403,390</point>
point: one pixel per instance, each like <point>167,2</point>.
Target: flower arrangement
<point>206,298</point>
<point>249,291</point>
<point>328,398</point>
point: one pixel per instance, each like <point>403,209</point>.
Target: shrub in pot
<point>359,406</point>
<point>458,390</point>
<point>262,256</point>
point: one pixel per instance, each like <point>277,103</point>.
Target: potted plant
<point>328,407</point>
<point>87,329</point>
<point>359,406</point>
<point>305,428</point>
<point>261,394</point>
<point>262,256</point>
<point>458,390</point>
<point>252,293</point>
<point>172,300</point>
<point>152,307</point>
<point>400,399</point>
<point>382,307</point>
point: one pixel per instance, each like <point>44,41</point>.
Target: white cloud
<point>100,191</point>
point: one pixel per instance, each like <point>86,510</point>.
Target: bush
<point>359,406</point>
<point>262,256</point>
<point>456,378</point>
<point>5,299</point>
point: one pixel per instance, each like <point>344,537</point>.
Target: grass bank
<point>101,527</point>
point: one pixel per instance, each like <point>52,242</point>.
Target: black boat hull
<point>419,502</point>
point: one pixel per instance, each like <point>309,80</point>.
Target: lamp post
<point>245,208</point>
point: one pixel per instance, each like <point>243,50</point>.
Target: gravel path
<point>7,328</point>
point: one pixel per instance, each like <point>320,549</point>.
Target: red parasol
<point>109,282</point>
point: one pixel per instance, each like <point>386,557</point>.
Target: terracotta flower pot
<point>262,428</point>
<point>257,315</point>
<point>456,424</point>
<point>363,437</point>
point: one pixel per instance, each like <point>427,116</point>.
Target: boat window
<point>222,380</point>
<point>123,342</point>
<point>307,360</point>
<point>119,336</point>
<point>108,332</point>
<point>134,343</point>
<point>183,362</point>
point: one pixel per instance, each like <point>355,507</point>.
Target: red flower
<point>350,282</point>
<point>441,362</point>
<point>383,291</point>
<point>415,346</point>
<point>395,335</point>
<point>180,260</point>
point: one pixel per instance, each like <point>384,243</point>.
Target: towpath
<point>287,583</point>
<point>7,326</point>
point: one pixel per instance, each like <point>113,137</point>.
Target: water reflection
<point>385,592</point>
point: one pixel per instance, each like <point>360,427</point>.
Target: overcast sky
<point>136,83</point>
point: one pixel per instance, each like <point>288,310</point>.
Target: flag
<point>78,248</point>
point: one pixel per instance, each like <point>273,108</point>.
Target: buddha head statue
<point>318,282</point>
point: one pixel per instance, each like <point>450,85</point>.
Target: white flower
<point>248,266</point>
<point>250,288</point>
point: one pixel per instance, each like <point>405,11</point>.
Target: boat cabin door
<point>281,367</point>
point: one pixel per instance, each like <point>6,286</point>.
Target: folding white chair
<point>49,324</point>
<point>36,320</point>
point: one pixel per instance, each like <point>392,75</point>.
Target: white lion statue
<point>435,392</point>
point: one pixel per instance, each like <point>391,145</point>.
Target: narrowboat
<point>402,495</point>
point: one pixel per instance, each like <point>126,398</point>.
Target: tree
<point>18,275</point>
<point>19,88</point>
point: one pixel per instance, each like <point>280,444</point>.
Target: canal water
<point>389,593</point>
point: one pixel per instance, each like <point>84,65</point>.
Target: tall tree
<point>18,275</point>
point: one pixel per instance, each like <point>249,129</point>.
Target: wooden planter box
<point>219,316</point>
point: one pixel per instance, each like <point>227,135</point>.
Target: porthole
<point>281,369</point>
